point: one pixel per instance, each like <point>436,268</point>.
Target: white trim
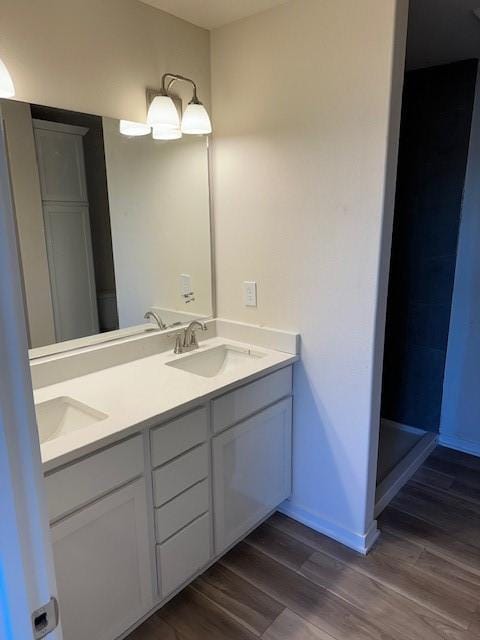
<point>401,474</point>
<point>459,444</point>
<point>356,541</point>
<point>27,578</point>
<point>403,427</point>
<point>397,69</point>
<point>59,127</point>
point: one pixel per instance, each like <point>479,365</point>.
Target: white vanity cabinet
<point>102,565</point>
<point>251,471</point>
<point>101,541</point>
<point>135,522</point>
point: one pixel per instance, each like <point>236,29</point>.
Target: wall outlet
<point>250,293</point>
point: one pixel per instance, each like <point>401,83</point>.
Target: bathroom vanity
<point>183,456</point>
<point>155,462</point>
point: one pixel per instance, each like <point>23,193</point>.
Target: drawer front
<point>85,480</point>
<point>243,402</point>
<point>175,477</point>
<point>177,513</point>
<point>173,438</point>
<point>182,556</point>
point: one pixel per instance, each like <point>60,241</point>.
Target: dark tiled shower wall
<point>434,140</point>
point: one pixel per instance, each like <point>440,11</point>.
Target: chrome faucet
<point>157,318</point>
<point>187,340</point>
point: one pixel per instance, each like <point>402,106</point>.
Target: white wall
<point>460,418</point>
<point>160,220</point>
<point>301,104</point>
<point>27,199</point>
<point>442,31</point>
<point>98,57</point>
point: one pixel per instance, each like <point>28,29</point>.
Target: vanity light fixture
<point>163,114</point>
<point>129,128</point>
<point>196,119</point>
<point>7,90</point>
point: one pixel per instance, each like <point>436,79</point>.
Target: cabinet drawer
<point>175,477</point>
<point>183,555</point>
<point>173,438</point>
<point>243,402</point>
<point>85,480</point>
<point>181,510</point>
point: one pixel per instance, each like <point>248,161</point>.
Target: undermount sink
<point>63,415</point>
<point>221,359</point>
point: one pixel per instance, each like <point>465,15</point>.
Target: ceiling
<point>210,14</point>
<point>441,31</point>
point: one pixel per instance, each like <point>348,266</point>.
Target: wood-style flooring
<point>286,582</point>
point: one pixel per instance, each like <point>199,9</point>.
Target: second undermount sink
<point>63,415</point>
<point>211,362</point>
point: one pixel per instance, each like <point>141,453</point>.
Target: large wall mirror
<point>109,226</point>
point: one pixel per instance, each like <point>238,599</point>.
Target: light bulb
<point>162,111</point>
<point>196,120</point>
<point>160,133</point>
<point>129,128</point>
<point>7,90</point>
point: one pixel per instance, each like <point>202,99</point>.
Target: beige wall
<point>98,57</point>
<point>301,106</point>
<point>27,200</point>
<point>160,221</point>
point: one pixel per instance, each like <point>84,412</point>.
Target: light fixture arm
<point>175,77</point>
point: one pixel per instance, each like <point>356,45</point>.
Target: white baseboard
<point>404,470</point>
<point>403,427</point>
<point>356,541</point>
<point>453,442</point>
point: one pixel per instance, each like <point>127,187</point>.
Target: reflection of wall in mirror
<point>159,209</point>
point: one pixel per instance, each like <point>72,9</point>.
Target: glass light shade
<point>129,128</point>
<point>7,90</point>
<point>162,111</point>
<point>160,133</point>
<point>196,120</point>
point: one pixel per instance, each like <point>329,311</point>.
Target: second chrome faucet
<point>186,340</point>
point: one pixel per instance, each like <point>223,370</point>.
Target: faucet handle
<point>193,339</point>
<point>178,343</point>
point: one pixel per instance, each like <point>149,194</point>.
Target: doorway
<point>432,337</point>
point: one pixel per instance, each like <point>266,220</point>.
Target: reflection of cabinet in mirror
<point>67,228</point>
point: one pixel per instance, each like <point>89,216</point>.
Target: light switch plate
<point>250,293</point>
<point>185,283</point>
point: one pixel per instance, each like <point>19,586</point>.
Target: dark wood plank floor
<point>286,582</point>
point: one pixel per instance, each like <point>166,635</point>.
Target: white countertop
<point>143,393</point>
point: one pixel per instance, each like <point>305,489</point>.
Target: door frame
<point>27,576</point>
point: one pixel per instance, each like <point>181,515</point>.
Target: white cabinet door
<point>251,471</point>
<point>61,162</point>
<point>72,278</point>
<point>102,564</point>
